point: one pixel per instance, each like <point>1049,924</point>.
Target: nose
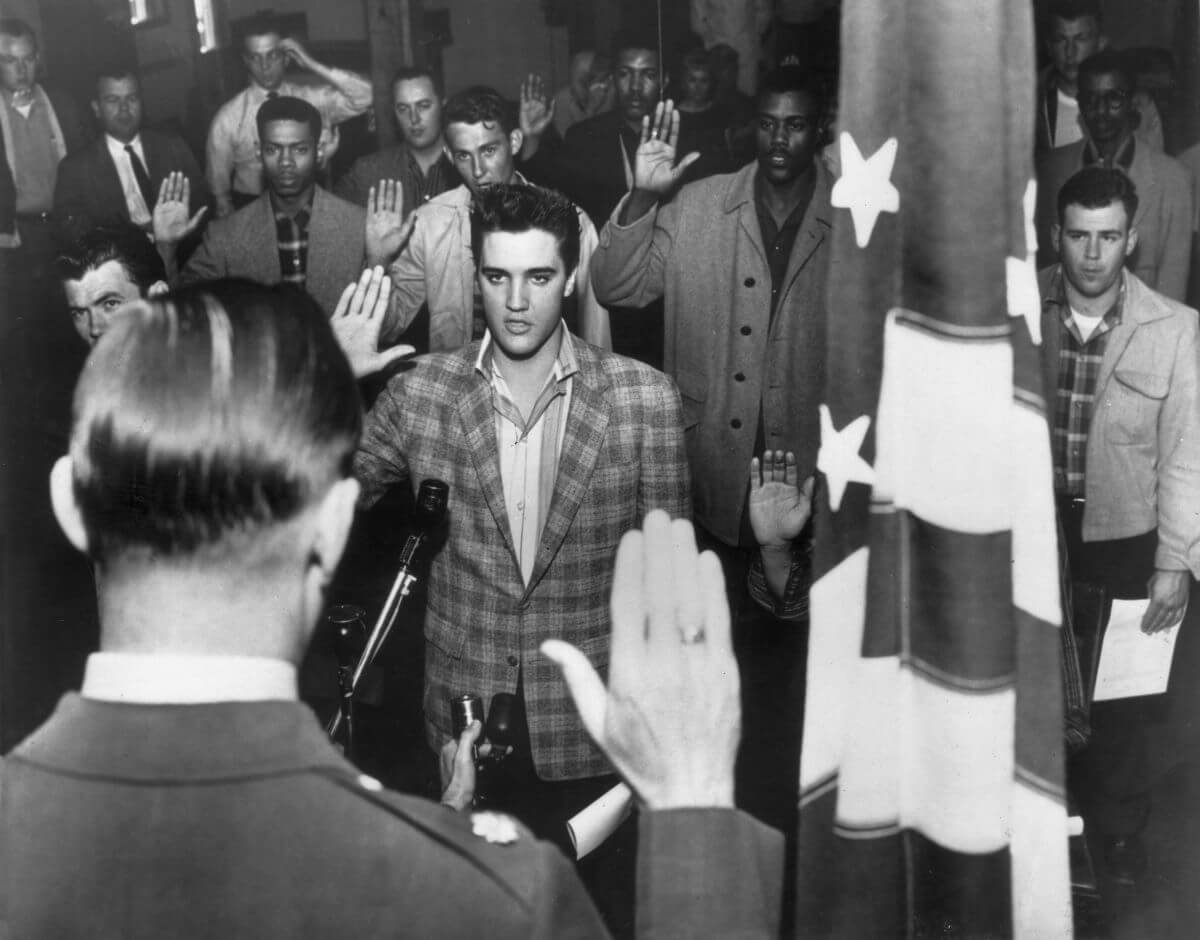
<point>516,299</point>
<point>779,133</point>
<point>477,169</point>
<point>1093,247</point>
<point>97,324</point>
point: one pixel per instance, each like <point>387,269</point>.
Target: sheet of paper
<point>1131,662</point>
<point>596,822</point>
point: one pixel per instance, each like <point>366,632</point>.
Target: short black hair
<point>1095,187</point>
<point>520,208</point>
<point>627,39</point>
<point>790,79</point>
<point>287,108</point>
<point>122,242</point>
<point>1068,10</point>
<point>262,23</point>
<point>480,104</point>
<point>208,416</point>
<point>116,71</point>
<point>1108,62</point>
<point>15,28</point>
<point>411,73</point>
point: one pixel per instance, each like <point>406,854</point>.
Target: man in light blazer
<point>117,177</point>
<point>295,231</point>
<point>553,449</point>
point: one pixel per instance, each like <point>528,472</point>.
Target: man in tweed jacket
<point>531,538</point>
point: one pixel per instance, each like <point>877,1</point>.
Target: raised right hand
<point>655,170</point>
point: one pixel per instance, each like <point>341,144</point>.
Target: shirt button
<point>749,282</point>
<point>512,661</point>
<point>740,377</point>
<point>746,331</point>
<point>735,423</point>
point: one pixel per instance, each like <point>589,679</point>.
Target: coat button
<point>746,331</point>
<point>735,423</point>
<point>512,661</point>
<point>739,377</point>
<point>749,282</point>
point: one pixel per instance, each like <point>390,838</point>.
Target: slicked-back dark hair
<point>1108,62</point>
<point>1095,187</point>
<point>522,208</point>
<point>480,104</point>
<point>411,73</point>
<point>208,416</point>
<point>288,108</point>
<point>122,242</point>
<point>262,23</point>
<point>1068,10</point>
<point>15,28</point>
<point>794,78</point>
<point>117,71</point>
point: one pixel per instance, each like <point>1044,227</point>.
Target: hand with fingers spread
<point>387,231</point>
<point>779,506</point>
<point>655,170</point>
<point>537,110</point>
<point>171,222</point>
<point>358,320</point>
<point>670,719</point>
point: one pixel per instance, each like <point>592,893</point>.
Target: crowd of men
<point>621,299</point>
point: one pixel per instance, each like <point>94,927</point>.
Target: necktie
<point>142,177</point>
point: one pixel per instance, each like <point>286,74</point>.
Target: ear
<point>1055,232</point>
<point>335,515</point>
<point>158,289</point>
<point>569,289</point>
<point>96,109</point>
<point>66,506</point>
<point>1132,242</point>
<point>515,140</point>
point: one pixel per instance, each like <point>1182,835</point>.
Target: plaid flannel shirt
<point>291,232</point>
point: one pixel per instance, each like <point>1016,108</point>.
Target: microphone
<point>432,496</point>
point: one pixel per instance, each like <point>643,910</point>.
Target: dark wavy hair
<point>1095,187</point>
<point>522,208</point>
<point>122,242</point>
<point>480,104</point>
<point>207,416</point>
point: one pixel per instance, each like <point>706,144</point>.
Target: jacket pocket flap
<point>1150,384</point>
<point>692,385</point>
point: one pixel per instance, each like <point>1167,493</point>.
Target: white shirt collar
<point>160,679</point>
<point>117,149</point>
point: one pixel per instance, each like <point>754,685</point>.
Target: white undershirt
<point>139,212</point>
<point>1066,123</point>
<point>1087,325</point>
<point>161,679</point>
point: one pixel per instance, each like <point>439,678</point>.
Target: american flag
<point>932,784</point>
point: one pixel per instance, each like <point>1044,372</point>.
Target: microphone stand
<point>431,506</point>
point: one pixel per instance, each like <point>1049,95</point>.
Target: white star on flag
<point>1024,298</point>
<point>838,458</point>
<point>865,186</point>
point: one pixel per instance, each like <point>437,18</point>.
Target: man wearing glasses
<point>1164,213</point>
<point>234,169</point>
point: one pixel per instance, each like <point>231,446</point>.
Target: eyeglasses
<point>1110,100</point>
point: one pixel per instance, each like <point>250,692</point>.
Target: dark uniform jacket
<point>239,819</point>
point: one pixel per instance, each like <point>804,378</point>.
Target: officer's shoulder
<point>494,845</point>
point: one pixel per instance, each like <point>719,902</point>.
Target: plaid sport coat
<point>623,455</point>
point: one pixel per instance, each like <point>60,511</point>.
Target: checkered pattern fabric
<point>291,231</point>
<point>1078,369</point>
<point>623,455</point>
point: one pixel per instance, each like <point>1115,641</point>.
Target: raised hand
<point>170,219</point>
<point>358,320</point>
<point>779,508</point>
<point>387,232</point>
<point>670,719</point>
<point>296,52</point>
<point>655,170</point>
<point>537,110</point>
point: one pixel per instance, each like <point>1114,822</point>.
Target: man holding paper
<point>1120,367</point>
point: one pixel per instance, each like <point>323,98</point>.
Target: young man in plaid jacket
<point>553,449</point>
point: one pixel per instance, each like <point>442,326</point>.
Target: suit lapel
<point>478,421</point>
<point>587,425</point>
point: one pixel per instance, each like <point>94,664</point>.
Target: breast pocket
<point>1133,402</point>
<point>693,390</point>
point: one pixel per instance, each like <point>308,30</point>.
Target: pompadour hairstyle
<point>480,104</point>
<point>1068,10</point>
<point>1108,62</point>
<point>794,78</point>
<point>122,242</point>
<point>287,108</point>
<point>522,208</point>
<point>15,28</point>
<point>208,416</point>
<point>1095,187</point>
<point>411,73</point>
